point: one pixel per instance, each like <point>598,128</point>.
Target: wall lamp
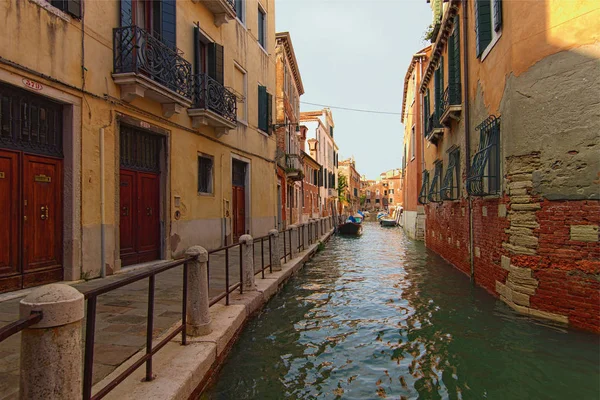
<point>277,126</point>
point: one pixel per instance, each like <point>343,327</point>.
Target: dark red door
<point>148,234</point>
<point>140,216</point>
<point>42,220</point>
<point>239,212</point>
<point>10,269</point>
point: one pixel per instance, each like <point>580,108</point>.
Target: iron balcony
<point>214,105</point>
<point>144,66</point>
<point>294,170</point>
<point>223,10</point>
<point>451,104</point>
<point>433,128</point>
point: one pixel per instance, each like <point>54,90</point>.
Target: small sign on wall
<point>32,84</point>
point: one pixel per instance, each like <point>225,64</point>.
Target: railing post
<point>275,256</point>
<point>246,247</point>
<point>198,314</point>
<point>51,350</point>
<point>305,235</point>
<point>294,236</point>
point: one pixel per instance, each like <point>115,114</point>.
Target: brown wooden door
<point>10,218</point>
<point>127,221</point>
<point>239,212</point>
<point>140,216</point>
<point>42,220</point>
<point>148,213</point>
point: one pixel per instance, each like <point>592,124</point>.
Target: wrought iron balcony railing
<point>138,51</point>
<point>451,101</point>
<point>294,167</point>
<point>209,94</point>
<point>432,125</point>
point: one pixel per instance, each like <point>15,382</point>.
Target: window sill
<point>203,194</point>
<point>52,10</point>
<point>242,122</point>
<point>490,46</point>
<point>412,159</point>
<point>260,46</point>
<point>243,24</point>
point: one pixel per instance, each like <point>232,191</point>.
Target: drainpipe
<point>102,209</point>
<point>467,133</point>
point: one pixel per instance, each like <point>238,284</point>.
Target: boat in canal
<point>352,226</point>
<point>388,222</point>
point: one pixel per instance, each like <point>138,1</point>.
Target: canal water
<point>382,317</point>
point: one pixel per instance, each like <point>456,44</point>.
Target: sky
<point>355,54</point>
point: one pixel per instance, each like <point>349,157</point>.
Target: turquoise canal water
<point>382,317</point>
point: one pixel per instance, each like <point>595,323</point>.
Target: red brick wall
<point>568,271</point>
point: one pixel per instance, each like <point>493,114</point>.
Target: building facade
<point>324,150</point>
<point>351,202</point>
<point>141,128</point>
<point>509,200</point>
<point>290,167</point>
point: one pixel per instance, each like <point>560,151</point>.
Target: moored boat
<point>388,222</point>
<point>350,228</point>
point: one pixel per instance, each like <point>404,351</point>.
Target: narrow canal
<point>381,317</point>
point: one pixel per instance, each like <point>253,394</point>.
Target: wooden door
<point>239,212</point>
<point>148,216</point>
<point>10,269</point>
<point>42,220</point>
<point>128,220</point>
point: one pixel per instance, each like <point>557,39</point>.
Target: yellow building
<point>131,130</point>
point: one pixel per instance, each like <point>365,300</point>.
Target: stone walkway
<point>121,315</point>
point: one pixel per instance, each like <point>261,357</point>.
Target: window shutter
<point>456,73</point>
<point>196,50</point>
<point>269,121</point>
<point>325,178</point>
<point>262,107</point>
<point>315,177</point>
<point>74,8</point>
<point>168,23</point>
<point>126,7</point>
<point>215,62</point>
<point>441,94</point>
<point>436,89</point>
<point>483,25</point>
<point>497,15</point>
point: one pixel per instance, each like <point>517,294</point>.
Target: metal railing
<point>263,266</point>
<point>451,97</point>
<point>433,122</point>
<point>138,51</point>
<point>211,95</point>
<point>90,326</point>
<point>229,288</point>
<point>17,326</point>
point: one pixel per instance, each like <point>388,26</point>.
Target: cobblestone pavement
<point>121,314</point>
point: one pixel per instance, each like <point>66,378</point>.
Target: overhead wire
<point>352,109</point>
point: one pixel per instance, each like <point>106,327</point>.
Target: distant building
<point>352,193</point>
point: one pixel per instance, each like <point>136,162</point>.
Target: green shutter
<point>269,121</point>
<point>497,15</point>
<point>454,95</point>
<point>441,86</point>
<point>436,90</point>
<point>168,23</point>
<point>483,25</point>
<point>262,108</point>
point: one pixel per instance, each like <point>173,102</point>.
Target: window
<point>240,10</point>
<point>355,192</point>
<point>72,7</point>
<point>265,102</point>
<point>376,201</point>
<point>391,200</point>
<point>454,86</point>
<point>484,176</point>
<point>424,186</point>
<point>436,183</point>
<point>241,91</point>
<point>262,28</point>
<point>412,143</point>
<point>488,25</point>
<point>205,174</point>
<point>450,185</point>
<point>385,192</point>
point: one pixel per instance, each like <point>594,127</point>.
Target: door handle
<point>45,212</point>
<point>125,212</point>
<point>149,211</point>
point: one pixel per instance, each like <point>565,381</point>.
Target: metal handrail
<point>211,95</point>
<point>90,327</point>
<point>17,326</point>
<point>139,51</point>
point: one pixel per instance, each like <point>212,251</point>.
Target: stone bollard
<point>247,250</point>
<point>51,350</point>
<point>275,248</point>
<point>198,314</point>
<point>294,236</point>
<point>306,235</point>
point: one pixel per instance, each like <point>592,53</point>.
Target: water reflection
<point>381,317</point>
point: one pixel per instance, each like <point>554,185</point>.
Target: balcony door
<point>155,17</point>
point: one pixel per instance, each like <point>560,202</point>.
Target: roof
<point>286,40</point>
<point>421,53</point>
<point>311,160</point>
<point>440,42</point>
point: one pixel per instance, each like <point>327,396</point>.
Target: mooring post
<point>275,250</point>
<point>247,249</point>
<point>51,350</point>
<point>198,313</point>
<point>294,236</point>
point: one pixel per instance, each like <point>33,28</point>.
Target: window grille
<point>484,176</point>
<point>205,171</point>
<point>450,186</point>
<point>139,150</point>
<point>424,187</point>
<point>435,188</point>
